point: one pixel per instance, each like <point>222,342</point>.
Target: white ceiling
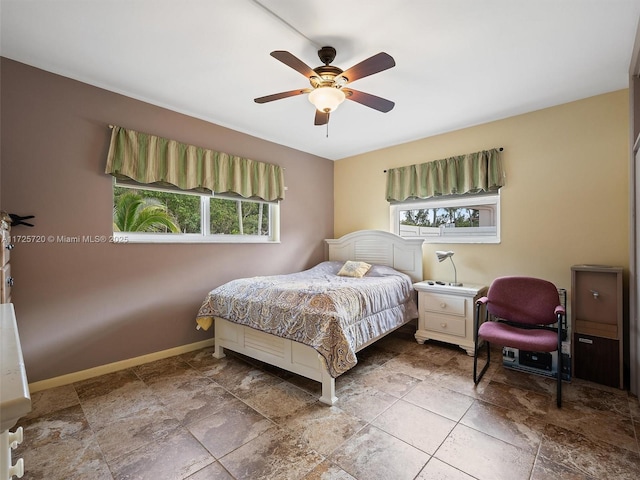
<point>458,62</point>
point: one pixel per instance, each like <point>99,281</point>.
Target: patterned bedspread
<point>333,314</point>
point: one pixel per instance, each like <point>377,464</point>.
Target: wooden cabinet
<point>446,313</point>
<point>596,308</point>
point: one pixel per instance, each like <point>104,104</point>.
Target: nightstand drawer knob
<point>443,325</point>
<point>443,305</point>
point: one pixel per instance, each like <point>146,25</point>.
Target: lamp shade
<point>442,255</point>
<point>326,99</point>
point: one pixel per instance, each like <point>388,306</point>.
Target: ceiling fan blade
<point>368,100</point>
<point>378,63</point>
<point>322,118</point>
<point>278,96</point>
<point>294,62</point>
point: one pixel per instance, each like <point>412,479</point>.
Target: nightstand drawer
<point>446,324</point>
<point>443,304</point>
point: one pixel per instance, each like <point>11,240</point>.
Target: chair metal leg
<point>559,372</point>
<point>476,377</point>
<point>559,388</point>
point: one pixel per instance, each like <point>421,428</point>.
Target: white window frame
<point>204,236</point>
<point>450,234</point>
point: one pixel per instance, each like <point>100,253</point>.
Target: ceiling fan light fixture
<point>326,99</point>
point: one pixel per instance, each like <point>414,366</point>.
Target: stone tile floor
<point>406,411</point>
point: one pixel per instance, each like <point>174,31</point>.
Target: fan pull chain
<point>328,116</point>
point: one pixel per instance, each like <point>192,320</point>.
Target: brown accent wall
<point>82,305</point>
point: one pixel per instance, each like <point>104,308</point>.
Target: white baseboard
<point>116,366</point>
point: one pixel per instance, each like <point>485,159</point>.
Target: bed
<point>312,323</point>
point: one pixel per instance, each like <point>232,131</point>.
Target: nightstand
<point>446,313</point>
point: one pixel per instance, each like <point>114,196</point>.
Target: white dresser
<point>446,313</point>
<point>15,400</point>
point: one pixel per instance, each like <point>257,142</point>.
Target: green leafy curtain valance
<point>148,159</point>
<point>471,173</point>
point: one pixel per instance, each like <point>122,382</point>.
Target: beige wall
<point>565,202</point>
<point>85,305</point>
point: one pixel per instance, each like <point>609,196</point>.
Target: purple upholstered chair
<point>519,313</point>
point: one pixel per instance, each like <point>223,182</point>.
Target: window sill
<point>125,237</point>
<point>452,239</point>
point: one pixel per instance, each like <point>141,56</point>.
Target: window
<point>450,219</point>
<point>156,215</point>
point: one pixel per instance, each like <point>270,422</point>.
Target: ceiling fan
<point>328,82</point>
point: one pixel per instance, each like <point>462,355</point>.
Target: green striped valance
<point>148,159</point>
<point>471,173</point>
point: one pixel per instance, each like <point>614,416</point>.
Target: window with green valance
<point>152,160</point>
<point>464,174</point>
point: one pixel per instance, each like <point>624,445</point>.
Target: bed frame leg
<point>218,351</point>
<point>328,389</point>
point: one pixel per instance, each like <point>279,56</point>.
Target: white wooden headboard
<point>382,248</point>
